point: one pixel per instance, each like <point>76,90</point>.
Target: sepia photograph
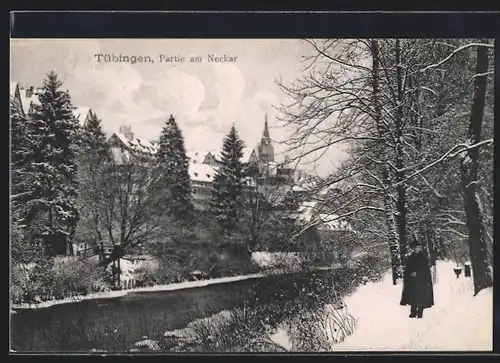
<point>251,195</point>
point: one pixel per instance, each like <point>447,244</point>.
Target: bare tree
<point>269,201</point>
<point>347,100</point>
<point>120,209</point>
<point>403,117</point>
<point>469,168</point>
<point>385,183</point>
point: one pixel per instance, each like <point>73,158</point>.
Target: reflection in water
<point>116,324</point>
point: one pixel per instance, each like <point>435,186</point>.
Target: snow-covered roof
<point>201,172</point>
<point>27,101</point>
<point>137,144</point>
<point>81,114</point>
<point>198,156</point>
<point>247,152</point>
<point>13,86</point>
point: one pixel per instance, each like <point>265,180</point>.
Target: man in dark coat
<point>417,281</point>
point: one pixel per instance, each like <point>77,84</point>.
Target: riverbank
<point>119,293</point>
<point>156,288</point>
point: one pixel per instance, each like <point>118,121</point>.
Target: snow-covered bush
<point>288,261</point>
<point>372,265</point>
<point>320,329</point>
<point>56,278</point>
<point>307,303</point>
<point>30,283</point>
<point>75,276</point>
<point>238,330</point>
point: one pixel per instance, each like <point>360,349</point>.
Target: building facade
<point>127,147</point>
<point>23,99</point>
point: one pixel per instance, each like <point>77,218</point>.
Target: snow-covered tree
<point>54,132</point>
<point>93,146</point>
<point>21,152</point>
<point>483,273</point>
<point>401,106</point>
<point>94,154</point>
<point>173,166</point>
<point>227,201</point>
<point>120,208</point>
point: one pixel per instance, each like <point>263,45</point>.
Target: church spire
<point>266,128</point>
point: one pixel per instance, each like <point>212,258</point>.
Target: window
<point>208,176</point>
<point>195,174</point>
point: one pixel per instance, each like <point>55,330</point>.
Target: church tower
<point>266,150</point>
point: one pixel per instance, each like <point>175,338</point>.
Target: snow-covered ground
<point>265,259</point>
<point>457,321</point>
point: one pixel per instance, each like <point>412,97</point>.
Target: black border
<point>381,22</point>
<point>175,24</point>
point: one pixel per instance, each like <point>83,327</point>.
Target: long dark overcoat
<point>417,289</point>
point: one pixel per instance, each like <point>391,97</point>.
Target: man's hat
<point>414,241</point>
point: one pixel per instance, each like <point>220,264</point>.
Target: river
<point>115,324</point>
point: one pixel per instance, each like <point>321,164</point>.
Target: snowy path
<point>457,321</point>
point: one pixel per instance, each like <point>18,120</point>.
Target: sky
<point>206,98</point>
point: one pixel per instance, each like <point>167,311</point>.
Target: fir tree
<point>174,181</point>
<point>53,129</point>
<point>227,202</point>
<point>21,151</point>
<point>94,148</point>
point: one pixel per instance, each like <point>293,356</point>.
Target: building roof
<point>247,152</point>
<point>198,156</point>
<point>137,144</point>
<point>27,101</point>
<point>198,172</point>
<point>81,114</point>
<point>13,86</point>
<point>201,172</point>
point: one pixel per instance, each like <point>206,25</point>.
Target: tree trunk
<point>392,234</point>
<point>119,272</point>
<point>400,175</point>
<point>469,168</point>
<point>389,215</point>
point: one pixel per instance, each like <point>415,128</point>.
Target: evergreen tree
<point>54,130</point>
<point>174,181</point>
<point>227,202</point>
<point>94,147</point>
<point>21,151</point>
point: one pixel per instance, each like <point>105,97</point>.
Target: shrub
<point>372,265</point>
<point>320,329</point>
<point>76,276</point>
<point>301,302</point>
<point>56,278</point>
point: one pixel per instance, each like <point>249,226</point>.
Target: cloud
<point>202,137</point>
<point>179,93</point>
<point>113,90</point>
<point>206,98</point>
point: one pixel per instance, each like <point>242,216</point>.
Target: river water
<point>115,324</point>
